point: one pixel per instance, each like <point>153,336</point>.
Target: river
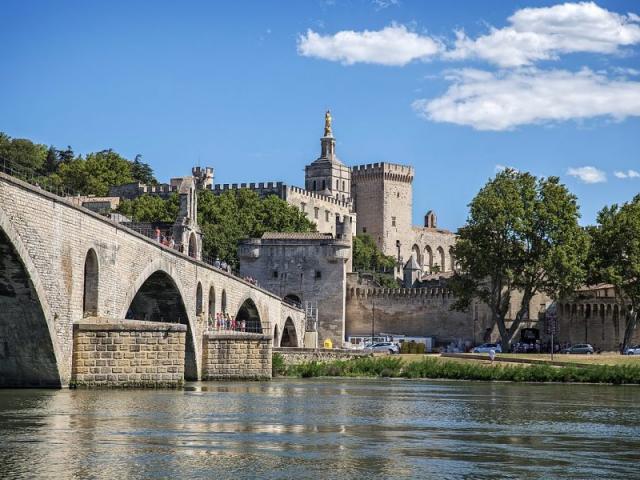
<point>325,428</point>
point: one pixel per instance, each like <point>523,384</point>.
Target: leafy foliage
<point>225,219</point>
<point>522,235</point>
<point>615,256</point>
<point>92,175</point>
<point>367,257</point>
<point>149,208</point>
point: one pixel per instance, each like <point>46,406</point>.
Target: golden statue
<point>327,124</point>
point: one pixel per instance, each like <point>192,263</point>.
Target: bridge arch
<point>199,302</point>
<point>157,295</point>
<point>31,355</point>
<point>276,340</point>
<point>211,310</point>
<point>91,282</point>
<point>289,334</point>
<point>249,312</point>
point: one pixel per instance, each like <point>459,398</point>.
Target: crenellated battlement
<point>435,292</point>
<point>221,187</point>
<point>390,171</point>
<point>319,196</point>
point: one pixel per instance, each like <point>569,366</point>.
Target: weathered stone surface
<point>45,243</point>
<point>236,356</point>
<point>118,370</point>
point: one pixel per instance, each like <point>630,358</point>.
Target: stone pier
<point>128,353</point>
<point>236,356</point>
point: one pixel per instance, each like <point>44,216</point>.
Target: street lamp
<point>373,317</point>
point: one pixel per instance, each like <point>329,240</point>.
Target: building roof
<point>296,236</point>
<point>412,264</point>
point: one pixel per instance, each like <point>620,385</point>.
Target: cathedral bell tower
<point>328,175</point>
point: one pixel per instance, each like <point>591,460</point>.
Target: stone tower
<point>383,196</point>
<point>328,175</point>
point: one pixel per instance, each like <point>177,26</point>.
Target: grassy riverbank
<point>438,368</point>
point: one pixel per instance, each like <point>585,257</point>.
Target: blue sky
<point>545,87</point>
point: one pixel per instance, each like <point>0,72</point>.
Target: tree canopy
<point>615,257</point>
<point>522,235</point>
<point>89,175</point>
<point>367,257</point>
<point>151,208</point>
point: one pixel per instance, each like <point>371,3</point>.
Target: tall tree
<point>95,174</point>
<point>615,257</point>
<point>142,172</point>
<point>22,155</point>
<point>522,235</point>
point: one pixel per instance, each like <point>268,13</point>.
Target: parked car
<point>485,347</point>
<point>635,350</point>
<point>388,347</point>
<point>580,348</point>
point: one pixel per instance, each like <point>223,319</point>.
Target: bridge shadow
<point>27,354</point>
<point>159,300</point>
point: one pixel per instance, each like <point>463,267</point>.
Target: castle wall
<point>320,209</point>
<point>311,269</point>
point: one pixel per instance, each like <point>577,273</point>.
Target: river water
<point>329,428</point>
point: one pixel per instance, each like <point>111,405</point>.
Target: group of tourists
<point>251,280</point>
<point>225,322</point>
<point>166,240</point>
<point>222,265</point>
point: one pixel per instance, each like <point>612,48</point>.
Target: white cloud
<point>627,174</point>
<point>382,4</point>
<point>393,45</point>
<point>537,34</point>
<point>588,174</point>
<point>503,100</point>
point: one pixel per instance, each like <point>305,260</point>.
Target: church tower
<point>328,175</point>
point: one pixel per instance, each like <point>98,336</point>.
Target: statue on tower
<point>327,124</point>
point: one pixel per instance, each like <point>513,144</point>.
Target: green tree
<point>95,174</point>
<point>228,218</point>
<point>142,172</point>
<point>22,155</point>
<point>367,257</point>
<point>615,257</point>
<point>522,235</point>
<point>150,208</point>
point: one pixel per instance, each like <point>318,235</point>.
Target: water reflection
<point>324,429</point>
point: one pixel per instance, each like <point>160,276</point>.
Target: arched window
<point>212,302</point>
<point>199,299</point>
<point>428,259</point>
<point>90,291</point>
<point>193,246</point>
<point>415,252</point>
<point>441,259</point>
<point>223,302</point>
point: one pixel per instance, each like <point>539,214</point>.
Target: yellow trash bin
<point>328,343</point>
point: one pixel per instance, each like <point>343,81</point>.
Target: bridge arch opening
<point>199,303</point>
<point>27,351</point>
<point>193,246</point>
<point>289,335</point>
<point>276,340</point>
<point>159,300</point>
<point>90,288</point>
<point>212,302</point>
<point>293,298</point>
<point>248,313</point>
<point>223,302</point>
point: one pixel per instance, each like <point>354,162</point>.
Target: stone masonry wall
<point>295,356</point>
<point>128,353</point>
<point>236,356</point>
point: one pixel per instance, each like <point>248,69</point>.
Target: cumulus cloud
<point>627,174</point>
<point>588,174</point>
<point>535,34</point>
<point>394,45</point>
<point>503,100</point>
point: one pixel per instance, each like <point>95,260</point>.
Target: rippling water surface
<point>323,429</point>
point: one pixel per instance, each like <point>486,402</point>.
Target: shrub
<point>278,367</point>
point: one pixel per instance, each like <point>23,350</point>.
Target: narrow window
<point>364,229</point>
<point>275,274</point>
<point>314,185</point>
<point>393,221</point>
<point>316,211</point>
<point>324,185</point>
<point>326,215</point>
<point>318,274</point>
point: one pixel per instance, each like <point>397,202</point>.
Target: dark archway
<point>293,299</point>
<point>90,290</point>
<point>212,302</point>
<point>248,313</point>
<point>199,303</point>
<point>159,300</point>
<point>289,335</point>
<point>27,354</point>
<point>223,302</point>
<point>193,246</point>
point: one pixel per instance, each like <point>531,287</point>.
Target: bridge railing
<point>32,177</point>
<point>225,323</point>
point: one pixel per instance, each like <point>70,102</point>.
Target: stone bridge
<point>60,263</point>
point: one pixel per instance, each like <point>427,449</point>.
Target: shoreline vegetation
<point>445,369</point>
